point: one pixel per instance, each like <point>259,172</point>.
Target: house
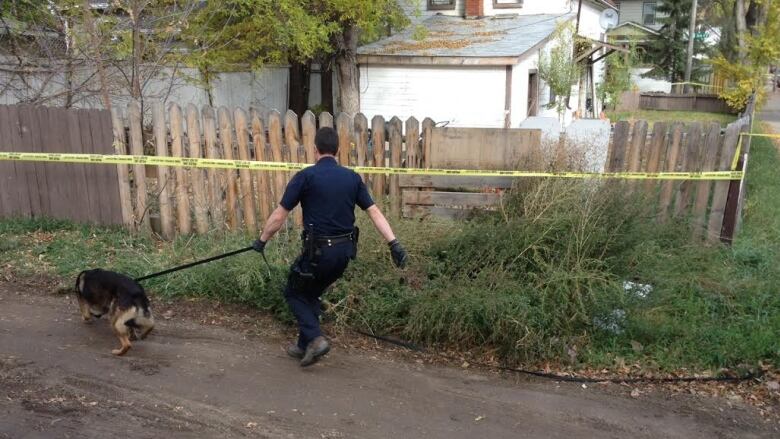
<point>476,63</point>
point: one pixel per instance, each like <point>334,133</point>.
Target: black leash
<point>558,377</point>
<point>192,264</point>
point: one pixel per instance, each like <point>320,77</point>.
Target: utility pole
<point>691,38</point>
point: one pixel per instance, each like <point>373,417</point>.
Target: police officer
<point>328,194</point>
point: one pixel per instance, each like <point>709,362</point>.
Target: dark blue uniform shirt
<point>328,194</point>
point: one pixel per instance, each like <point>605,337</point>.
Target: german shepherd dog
<point>105,292</point>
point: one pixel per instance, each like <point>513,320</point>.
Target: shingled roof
<point>456,37</point>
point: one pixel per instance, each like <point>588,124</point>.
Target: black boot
<point>316,349</point>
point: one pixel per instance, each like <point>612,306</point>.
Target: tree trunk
<point>739,15</point>
<point>205,75</point>
<point>326,85</point>
<point>349,75</point>
<point>135,79</point>
<point>90,25</point>
<point>298,93</point>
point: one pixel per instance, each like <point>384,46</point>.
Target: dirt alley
<point>58,379</point>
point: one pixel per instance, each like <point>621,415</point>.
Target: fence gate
<point>78,192</point>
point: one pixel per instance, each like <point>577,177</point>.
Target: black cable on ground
<point>558,377</point>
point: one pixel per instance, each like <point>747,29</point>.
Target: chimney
<point>475,8</point>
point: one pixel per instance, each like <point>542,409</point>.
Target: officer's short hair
<point>327,141</point>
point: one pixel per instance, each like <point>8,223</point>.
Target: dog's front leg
<point>84,308</point>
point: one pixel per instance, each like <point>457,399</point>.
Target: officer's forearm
<point>380,222</point>
<point>274,223</point>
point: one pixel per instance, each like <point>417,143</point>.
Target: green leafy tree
<point>617,77</point>
<point>234,33</point>
<point>669,50</point>
<point>745,72</point>
<point>556,68</point>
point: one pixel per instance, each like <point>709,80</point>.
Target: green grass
<point>652,116</point>
<point>541,281</point>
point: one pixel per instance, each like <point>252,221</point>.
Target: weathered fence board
<point>247,194</point>
<point>226,137</point>
<point>123,171</point>
<point>378,142</point>
<point>78,192</point>
<point>708,159</point>
<point>690,163</point>
<point>183,215</point>
<point>164,182</point>
<point>197,176</point>
<point>720,194</point>
<point>263,177</point>
<point>216,178</point>
<point>671,165</point>
<point>139,171</point>
<point>396,144</point>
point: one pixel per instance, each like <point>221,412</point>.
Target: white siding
<point>631,10</point>
<point>417,10</point>
<point>464,96</point>
<point>530,7</point>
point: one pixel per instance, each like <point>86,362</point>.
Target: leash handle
<point>192,264</point>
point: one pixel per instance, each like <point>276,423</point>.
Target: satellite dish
<point>608,19</point>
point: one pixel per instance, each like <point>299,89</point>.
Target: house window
<point>441,4</point>
<point>497,4</point>
<point>648,13</point>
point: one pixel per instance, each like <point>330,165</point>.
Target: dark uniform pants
<point>303,292</point>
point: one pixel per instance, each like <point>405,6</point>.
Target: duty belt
<point>333,240</point>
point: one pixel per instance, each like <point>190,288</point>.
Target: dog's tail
<point>80,282</point>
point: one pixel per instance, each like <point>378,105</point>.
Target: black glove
<point>259,246</point>
<point>398,253</point>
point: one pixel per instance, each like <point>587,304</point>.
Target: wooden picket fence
<point>682,148</point>
<point>183,201</point>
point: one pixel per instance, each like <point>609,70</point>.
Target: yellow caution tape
<point>735,160</point>
<point>275,166</point>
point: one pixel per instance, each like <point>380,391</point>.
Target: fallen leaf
<point>635,393</point>
<point>773,385</point>
<point>479,418</point>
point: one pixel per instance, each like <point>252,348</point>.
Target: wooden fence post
<point>247,195</point>
<point>412,143</point>
<point>378,140</point>
<point>722,226</point>
<point>215,176</point>
<point>326,120</point>
<point>123,174</point>
<point>396,144</point>
<point>164,181</point>
<point>139,170</point>
<point>197,177</point>
<point>263,185</point>
<point>672,161</point>
<point>182,194</point>
<point>226,135</point>
<point>293,144</point>
<point>427,135</point>
<point>275,138</point>
<point>361,141</point>
<point>709,155</point>
<point>344,129</point>
<point>309,131</point>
